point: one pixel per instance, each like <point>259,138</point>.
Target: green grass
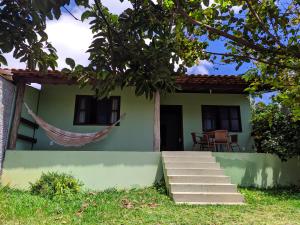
<point>146,206</point>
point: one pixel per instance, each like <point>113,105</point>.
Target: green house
<point>153,140</point>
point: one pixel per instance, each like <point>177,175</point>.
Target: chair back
<point>221,136</point>
<point>234,138</point>
<point>210,134</point>
<point>194,137</point>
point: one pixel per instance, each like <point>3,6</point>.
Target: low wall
<point>100,170</point>
<point>97,170</point>
<point>259,169</point>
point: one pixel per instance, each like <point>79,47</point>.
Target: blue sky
<point>71,38</point>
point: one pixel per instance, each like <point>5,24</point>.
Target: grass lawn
<point>146,206</point>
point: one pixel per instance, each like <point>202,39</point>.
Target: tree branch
<point>97,3</point>
<point>252,58</point>
<point>237,40</point>
<point>262,24</point>
<point>68,11</point>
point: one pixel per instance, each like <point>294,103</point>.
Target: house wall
<point>135,133</point>
<point>192,115</point>
<point>7,95</point>
<point>31,99</point>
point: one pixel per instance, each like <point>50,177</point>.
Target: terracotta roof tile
<point>189,83</point>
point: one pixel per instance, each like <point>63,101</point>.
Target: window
<point>221,118</point>
<point>91,111</point>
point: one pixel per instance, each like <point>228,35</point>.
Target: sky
<point>72,38</point>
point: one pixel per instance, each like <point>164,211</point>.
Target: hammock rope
<point>67,138</point>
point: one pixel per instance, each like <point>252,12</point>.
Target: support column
<point>17,115</point>
<point>156,130</point>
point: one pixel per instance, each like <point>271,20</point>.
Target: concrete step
<point>203,187</point>
<point>207,198</point>
<point>192,165</point>
<point>189,171</point>
<point>198,179</point>
<point>186,153</point>
<point>188,159</point>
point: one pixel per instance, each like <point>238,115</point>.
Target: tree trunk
<point>17,115</point>
<point>156,130</point>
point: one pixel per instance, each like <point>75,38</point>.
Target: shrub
<point>160,186</point>
<point>274,130</point>
<point>55,184</point>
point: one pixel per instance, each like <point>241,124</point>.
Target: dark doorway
<point>171,128</point>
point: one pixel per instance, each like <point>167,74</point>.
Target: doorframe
<point>179,109</point>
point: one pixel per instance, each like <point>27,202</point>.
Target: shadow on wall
<point>7,92</point>
<point>259,170</point>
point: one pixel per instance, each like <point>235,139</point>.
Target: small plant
<point>160,186</point>
<point>55,184</point>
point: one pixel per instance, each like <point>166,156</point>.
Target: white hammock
<point>67,138</point>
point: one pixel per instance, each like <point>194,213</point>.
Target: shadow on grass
<point>271,194</point>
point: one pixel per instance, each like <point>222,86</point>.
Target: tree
<point>22,30</point>
<point>274,131</point>
<point>140,48</point>
<point>265,32</point>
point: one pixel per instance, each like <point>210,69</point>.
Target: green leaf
<point>3,60</point>
<point>206,2</point>
<point>70,62</point>
<point>56,12</point>
<point>86,15</point>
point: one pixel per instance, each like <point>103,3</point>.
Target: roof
<point>188,83</point>
<point>212,83</point>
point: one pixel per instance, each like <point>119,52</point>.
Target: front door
<point>171,128</point>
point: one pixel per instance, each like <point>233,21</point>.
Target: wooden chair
<point>221,139</point>
<point>234,142</point>
<point>202,141</point>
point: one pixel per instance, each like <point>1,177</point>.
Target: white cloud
<point>70,37</point>
<point>237,9</point>
<point>12,62</point>
<point>202,68</point>
<point>115,6</point>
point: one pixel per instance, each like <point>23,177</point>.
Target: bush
<point>160,186</point>
<point>55,184</point>
<point>274,130</point>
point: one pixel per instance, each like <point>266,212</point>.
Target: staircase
<point>196,178</point>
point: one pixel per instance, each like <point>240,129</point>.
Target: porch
<point>181,113</point>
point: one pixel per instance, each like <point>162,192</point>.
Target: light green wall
<point>259,170</point>
<point>100,170</point>
<point>135,133</point>
<point>192,115</point>
<point>57,104</point>
<point>31,98</point>
<point>97,170</point>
